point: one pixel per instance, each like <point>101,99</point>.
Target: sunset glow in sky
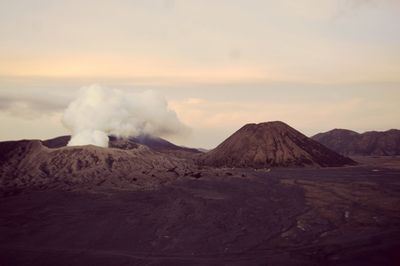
<point>316,64</point>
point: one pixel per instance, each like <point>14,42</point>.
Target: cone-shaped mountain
<point>272,144</point>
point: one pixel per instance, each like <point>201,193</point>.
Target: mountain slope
<point>271,144</point>
<point>28,164</point>
<point>154,143</point>
<point>372,143</point>
<point>160,144</point>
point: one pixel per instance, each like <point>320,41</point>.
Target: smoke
<point>99,112</point>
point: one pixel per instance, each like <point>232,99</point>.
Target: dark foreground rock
<point>152,204</point>
<point>340,216</point>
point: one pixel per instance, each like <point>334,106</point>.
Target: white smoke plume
<point>99,112</point>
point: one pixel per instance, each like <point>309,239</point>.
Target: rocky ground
<point>298,216</point>
<point>26,165</point>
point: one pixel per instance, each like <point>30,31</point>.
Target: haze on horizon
<point>316,65</point>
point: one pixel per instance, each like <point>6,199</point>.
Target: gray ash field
<point>149,202</point>
<point>339,216</point>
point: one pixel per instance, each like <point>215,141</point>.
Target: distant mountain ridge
<point>154,143</point>
<point>272,144</point>
<point>371,143</point>
<point>146,162</point>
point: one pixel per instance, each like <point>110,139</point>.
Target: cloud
<point>225,117</point>
<point>98,112</point>
<point>30,101</point>
<point>29,108</point>
<point>348,7</point>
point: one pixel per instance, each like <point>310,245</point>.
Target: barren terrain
<point>335,216</point>
<point>150,202</point>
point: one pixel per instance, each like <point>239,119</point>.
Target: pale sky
<point>315,64</point>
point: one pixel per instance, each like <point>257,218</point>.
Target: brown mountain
<point>28,164</point>
<point>154,143</point>
<point>372,143</point>
<point>160,144</point>
<point>272,144</point>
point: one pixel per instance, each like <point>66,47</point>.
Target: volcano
<point>272,144</point>
<point>146,201</point>
<point>49,164</point>
<point>154,143</point>
<point>371,143</point>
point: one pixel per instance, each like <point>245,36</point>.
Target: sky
<point>315,64</point>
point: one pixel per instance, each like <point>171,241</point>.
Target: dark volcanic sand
<point>339,216</point>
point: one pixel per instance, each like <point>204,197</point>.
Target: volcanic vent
<point>272,144</point>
